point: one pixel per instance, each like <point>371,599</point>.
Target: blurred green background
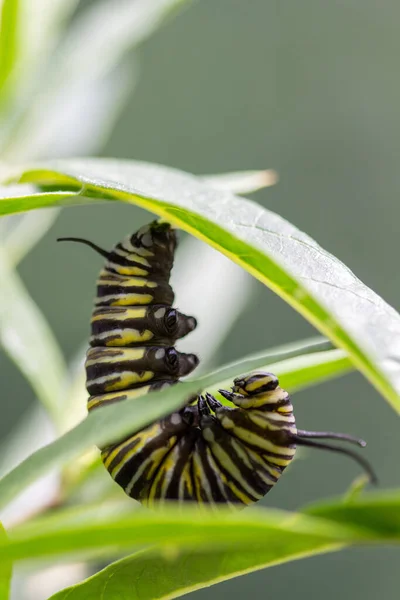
<point>312,90</point>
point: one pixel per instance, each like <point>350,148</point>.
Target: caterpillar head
<point>256,390</point>
<point>255,383</point>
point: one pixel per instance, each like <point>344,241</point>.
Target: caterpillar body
<point>207,452</point>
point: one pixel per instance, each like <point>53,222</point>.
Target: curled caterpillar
<point>207,452</point>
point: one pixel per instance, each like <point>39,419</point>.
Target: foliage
<point>170,553</point>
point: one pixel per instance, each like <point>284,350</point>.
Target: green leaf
<point>5,570</point>
<point>21,202</point>
<point>9,41</point>
<point>370,513</point>
<point>77,531</point>
<point>115,421</point>
<point>150,575</point>
<point>356,488</point>
<point>28,340</point>
<point>303,372</point>
<point>239,542</point>
<point>153,576</point>
<point>297,372</point>
<point>113,528</point>
<point>293,265</point>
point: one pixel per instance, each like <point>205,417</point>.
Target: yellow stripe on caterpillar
<point>125,300</point>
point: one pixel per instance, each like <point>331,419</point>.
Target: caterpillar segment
<point>157,324</point>
<point>206,453</point>
<point>112,369</point>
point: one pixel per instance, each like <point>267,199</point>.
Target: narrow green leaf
<point>28,340</point>
<point>273,355</point>
<point>298,372</point>
<point>356,488</point>
<point>371,513</point>
<point>175,529</point>
<point>154,576</point>
<point>265,536</point>
<point>113,530</point>
<point>149,575</point>
<point>5,570</point>
<point>114,422</point>
<point>9,41</point>
<point>293,265</point>
<point>21,202</point>
<point>305,371</point>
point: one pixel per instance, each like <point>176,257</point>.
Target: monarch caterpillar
<point>207,452</point>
